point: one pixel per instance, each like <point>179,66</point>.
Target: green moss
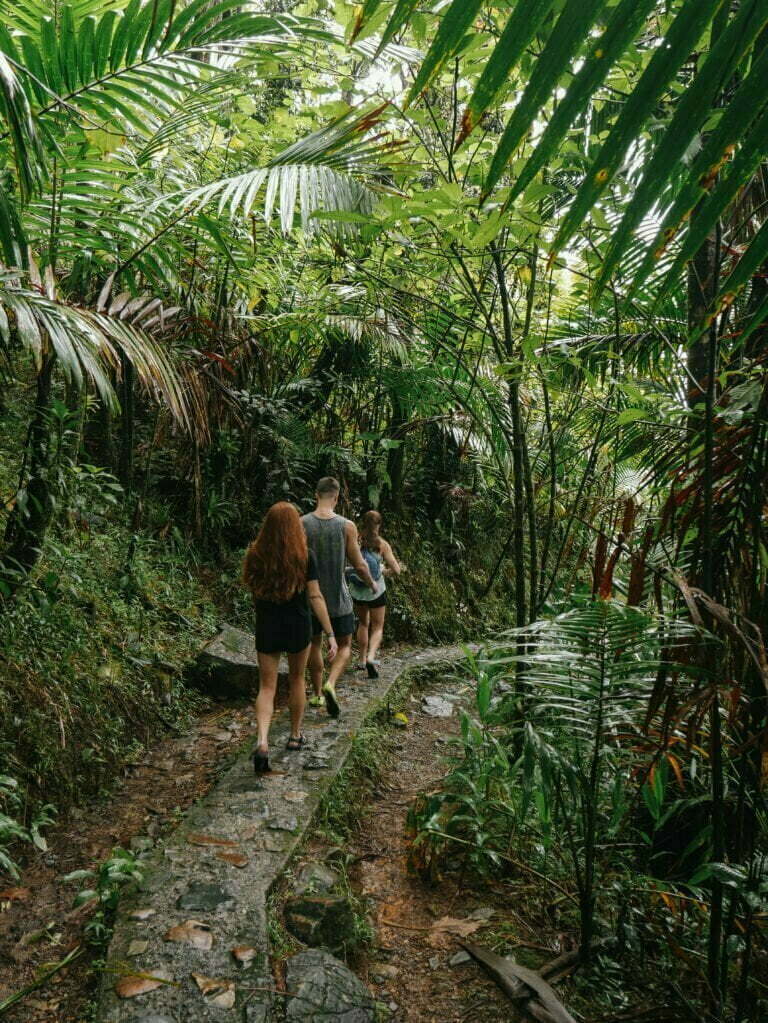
<point>81,689</point>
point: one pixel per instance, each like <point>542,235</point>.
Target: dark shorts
<point>343,625</point>
<point>380,601</point>
<point>286,636</point>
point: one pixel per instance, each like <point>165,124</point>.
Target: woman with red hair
<point>281,573</point>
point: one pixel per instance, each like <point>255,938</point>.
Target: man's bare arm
<point>356,559</point>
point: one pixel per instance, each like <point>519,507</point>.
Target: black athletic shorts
<point>380,601</point>
<point>289,636</point>
<point>343,625</point>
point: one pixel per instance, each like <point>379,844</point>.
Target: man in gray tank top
<point>333,541</point>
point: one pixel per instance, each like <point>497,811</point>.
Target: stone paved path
<point>218,867</point>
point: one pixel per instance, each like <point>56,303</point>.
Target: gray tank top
<point>327,541</point>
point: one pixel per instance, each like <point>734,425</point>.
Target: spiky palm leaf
<point>332,170</point>
<point>88,343</point>
<point>589,673</point>
<point>602,38</point>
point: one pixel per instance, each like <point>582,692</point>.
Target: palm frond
<point>328,171</point>
<point>604,39</point>
<point>88,343</point>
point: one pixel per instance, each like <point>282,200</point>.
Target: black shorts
<point>282,636</point>
<point>342,625</point>
<point>380,601</point>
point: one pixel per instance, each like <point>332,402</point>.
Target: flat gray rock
<point>227,665</point>
<point>316,761</point>
<point>316,877</point>
<point>201,897</point>
<point>326,991</point>
<point>436,707</point>
<point>483,913</point>
<point>459,958</point>
<point>283,824</point>
<point>322,921</point>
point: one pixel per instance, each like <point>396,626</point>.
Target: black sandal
<point>295,744</point>
<point>373,671</point>
<point>260,762</point>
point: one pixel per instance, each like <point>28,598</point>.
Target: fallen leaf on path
<point>216,990</point>
<point>244,954</point>
<point>141,914</point>
<point>134,984</point>
<point>191,932</point>
<point>197,838</point>
<point>41,1006</point>
<point>15,894</point>
<point>448,925</point>
<point>137,948</point>
<point>235,858</point>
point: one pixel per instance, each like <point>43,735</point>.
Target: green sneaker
<point>315,701</point>
<point>331,703</point>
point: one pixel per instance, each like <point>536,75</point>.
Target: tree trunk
<point>28,523</point>
<point>127,425</point>
<point>518,460</point>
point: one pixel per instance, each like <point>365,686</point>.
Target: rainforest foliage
<point>503,269</point>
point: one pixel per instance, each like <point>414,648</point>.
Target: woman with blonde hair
<point>281,574</point>
<point>371,605</point>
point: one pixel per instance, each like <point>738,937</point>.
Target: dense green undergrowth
<point>90,659</point>
<point>93,649</point>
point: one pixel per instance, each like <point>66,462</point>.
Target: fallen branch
<point>517,982</point>
<point>19,996</point>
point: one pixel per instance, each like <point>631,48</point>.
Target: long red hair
<point>275,566</point>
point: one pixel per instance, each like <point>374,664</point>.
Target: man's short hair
<point>327,486</point>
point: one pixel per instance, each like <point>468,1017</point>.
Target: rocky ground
<point>39,923</point>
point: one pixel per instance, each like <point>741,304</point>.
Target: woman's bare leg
<point>362,633</point>
<point>297,666</point>
<point>376,631</point>
<point>265,701</point>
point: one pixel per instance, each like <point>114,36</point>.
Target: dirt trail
<point>38,925</point>
<point>408,968</point>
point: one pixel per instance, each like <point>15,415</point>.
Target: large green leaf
<point>626,22</point>
<point>520,29</point>
<point>719,145</point>
<point>402,12</point>
<point>454,24</point>
<point>15,112</point>
<point>363,14</point>
<point>694,104</point>
<point>138,64</point>
<point>332,169</point>
<point>87,343</point>
<point>571,28</point>
<point>751,261</point>
<point>750,155</point>
<point>684,32</point>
